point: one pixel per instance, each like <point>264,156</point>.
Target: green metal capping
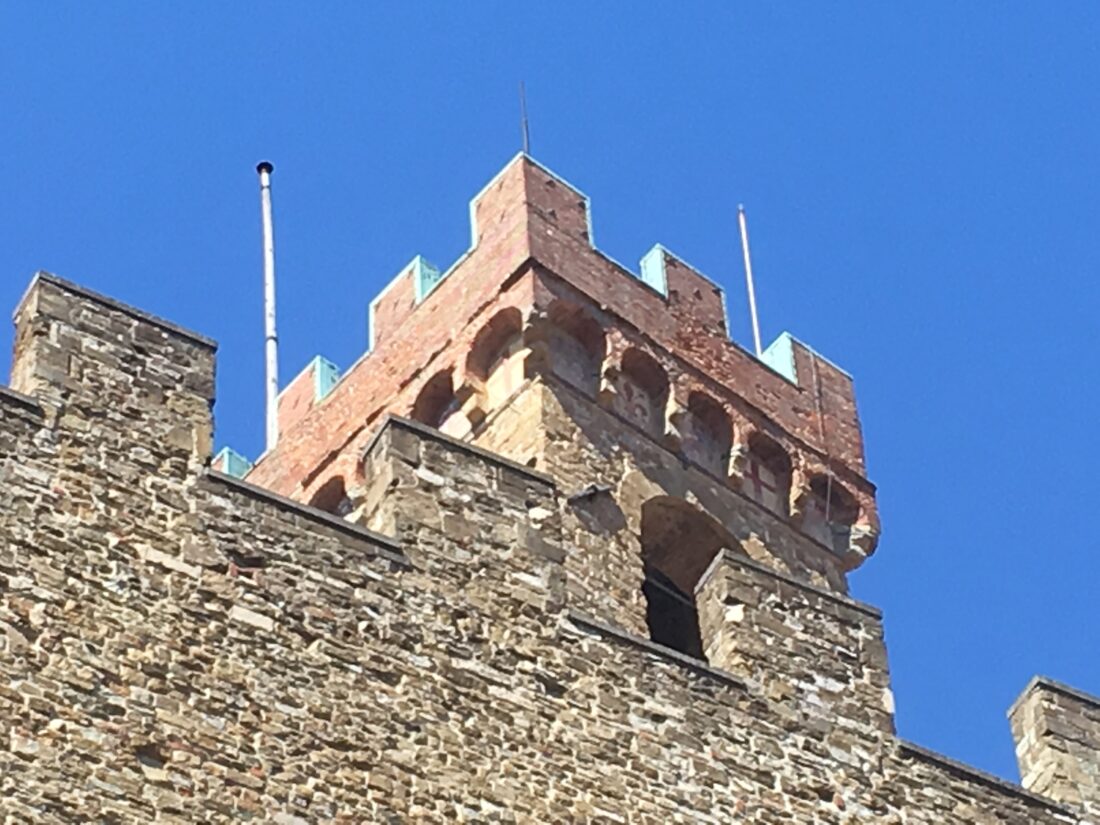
<point>233,463</point>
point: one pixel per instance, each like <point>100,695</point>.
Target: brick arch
<point>826,510</point>
<point>766,471</point>
<point>436,399</point>
<point>491,340</point>
<point>495,362</point>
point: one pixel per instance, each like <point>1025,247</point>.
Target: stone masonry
<point>554,550</point>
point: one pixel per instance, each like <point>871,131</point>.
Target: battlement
<point>1057,733</point>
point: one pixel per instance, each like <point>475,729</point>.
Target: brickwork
<point>476,636</point>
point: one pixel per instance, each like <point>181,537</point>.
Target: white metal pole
<point>523,119</point>
<point>748,278</point>
<point>271,340</point>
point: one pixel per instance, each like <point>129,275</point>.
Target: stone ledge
<point>17,399</point>
<point>913,751</point>
<point>118,306</point>
<point>648,646</point>
<point>838,598</point>
<point>423,430</point>
<point>386,547</point>
<point>1057,687</point>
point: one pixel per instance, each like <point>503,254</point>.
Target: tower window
<point>671,614</point>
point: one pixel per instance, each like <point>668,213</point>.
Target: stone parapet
<point>114,369</point>
<point>1057,733</point>
<point>819,653</point>
<point>466,514</point>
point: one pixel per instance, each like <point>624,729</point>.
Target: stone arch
<point>495,360</point>
<point>576,346</point>
<point>707,434</point>
<point>332,497</point>
<point>678,543</point>
<point>766,473</point>
<point>436,401</point>
<point>642,392</point>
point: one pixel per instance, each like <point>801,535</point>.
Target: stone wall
<point>754,624</point>
<point>1057,733</point>
<point>177,645</point>
<point>580,443</point>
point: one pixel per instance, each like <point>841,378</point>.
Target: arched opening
<point>678,544</point>
<point>829,512</point>
<point>577,346</point>
<point>708,434</point>
<point>436,401</point>
<point>642,395</point>
<point>767,476</point>
<point>496,357</point>
<point>332,497</point>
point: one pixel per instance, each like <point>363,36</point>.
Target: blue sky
<point>921,181</point>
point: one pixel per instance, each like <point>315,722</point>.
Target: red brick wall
<point>296,399</point>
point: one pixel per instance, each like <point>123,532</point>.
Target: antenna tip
<point>265,166</point>
<point>740,207</point>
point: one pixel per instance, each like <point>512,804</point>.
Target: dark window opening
<point>679,542</point>
<point>671,615</point>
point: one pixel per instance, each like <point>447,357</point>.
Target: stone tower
<point>553,550</point>
<point>670,441</point>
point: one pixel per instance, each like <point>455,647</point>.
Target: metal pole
<point>748,278</point>
<point>523,119</point>
<point>271,340</point>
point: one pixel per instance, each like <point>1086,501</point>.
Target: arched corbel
<point>535,337</point>
<point>800,493</point>
<point>739,452</point>
<point>676,416</point>
<point>608,385</point>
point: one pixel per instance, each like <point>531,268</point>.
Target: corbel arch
<point>826,510</point>
<point>575,345</point>
<point>494,365</point>
<point>763,470</point>
<point>706,433</point>
<point>641,391</point>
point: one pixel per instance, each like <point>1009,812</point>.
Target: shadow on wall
<point>332,497</point>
